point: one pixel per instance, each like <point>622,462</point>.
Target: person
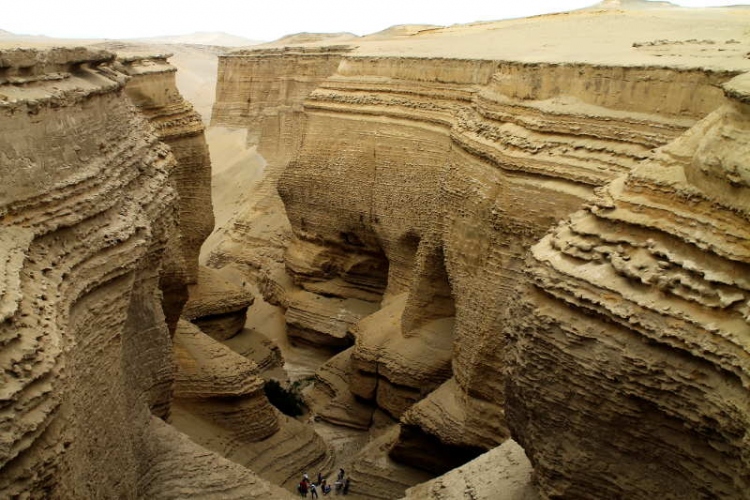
<point>325,487</point>
<point>302,488</point>
<point>341,475</point>
<point>305,477</point>
<point>320,477</point>
<point>346,486</point>
<point>313,491</point>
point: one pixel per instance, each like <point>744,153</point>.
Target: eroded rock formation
<point>633,332</point>
<point>426,168</point>
<point>88,206</point>
<point>216,306</point>
<point>152,89</point>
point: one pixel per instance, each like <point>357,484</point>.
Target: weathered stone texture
<point>632,335</point>
<point>152,89</point>
<point>444,165</point>
<point>88,206</point>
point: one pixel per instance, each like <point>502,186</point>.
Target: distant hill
<point>202,38</point>
<point>313,38</point>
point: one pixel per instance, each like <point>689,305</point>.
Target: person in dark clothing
<point>346,486</point>
<point>302,488</point>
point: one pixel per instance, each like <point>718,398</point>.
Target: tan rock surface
<point>86,352</point>
<point>465,145</point>
<point>153,90</point>
<point>637,305</point>
<point>179,468</point>
<point>503,472</point>
<point>220,404</point>
<point>330,398</point>
<point>217,306</point>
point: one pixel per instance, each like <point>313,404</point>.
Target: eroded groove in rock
<point>473,154</point>
<point>87,208</point>
<point>153,90</point>
<point>634,328</point>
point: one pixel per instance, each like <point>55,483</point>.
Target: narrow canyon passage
<point>497,260</point>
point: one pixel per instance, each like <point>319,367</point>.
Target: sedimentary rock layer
<point>85,219</point>
<point>503,472</point>
<point>87,208</point>
<point>633,334</point>
<point>502,149</point>
<point>443,158</point>
<point>152,89</point>
<point>218,307</point>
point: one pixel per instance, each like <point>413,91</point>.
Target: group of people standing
<point>306,486</point>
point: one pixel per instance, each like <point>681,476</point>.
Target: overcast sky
<point>261,20</point>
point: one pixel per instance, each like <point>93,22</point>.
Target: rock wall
<point>450,170</point>
<point>87,209</point>
<point>262,91</point>
<point>628,374</point>
<point>153,90</point>
<point>426,178</point>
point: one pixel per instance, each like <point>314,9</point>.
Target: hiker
<point>325,487</point>
<point>313,491</point>
<point>346,486</point>
<point>340,477</point>
<point>320,477</point>
<point>302,488</point>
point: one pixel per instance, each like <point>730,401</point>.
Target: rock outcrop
<point>630,348</point>
<point>220,404</point>
<point>262,91</point>
<point>503,472</point>
<point>426,168</point>
<point>217,306</point>
<point>88,207</point>
<point>152,89</point>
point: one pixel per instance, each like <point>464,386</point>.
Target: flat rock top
<point>624,35</point>
<point>619,33</point>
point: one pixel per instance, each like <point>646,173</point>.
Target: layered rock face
<point>262,91</point>
<point>425,171</point>
<point>153,90</point>
<point>85,222</point>
<point>459,166</point>
<point>87,208</point>
<point>629,373</point>
<point>216,306</point>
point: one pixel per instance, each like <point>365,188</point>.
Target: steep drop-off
<point>88,206</point>
<point>629,368</point>
<point>425,168</point>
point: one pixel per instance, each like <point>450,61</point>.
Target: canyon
<point>510,257</point>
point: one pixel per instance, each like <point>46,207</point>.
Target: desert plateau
<point>497,260</point>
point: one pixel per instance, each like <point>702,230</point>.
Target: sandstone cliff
<point>426,168</point>
<point>88,205</point>
<point>633,333</point>
<point>153,90</point>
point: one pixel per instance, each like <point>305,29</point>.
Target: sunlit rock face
<point>425,169</point>
<point>449,171</point>
<point>628,373</point>
<point>262,92</point>
<point>87,209</point>
<point>152,89</point>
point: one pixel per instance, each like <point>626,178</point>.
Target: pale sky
<point>262,20</point>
